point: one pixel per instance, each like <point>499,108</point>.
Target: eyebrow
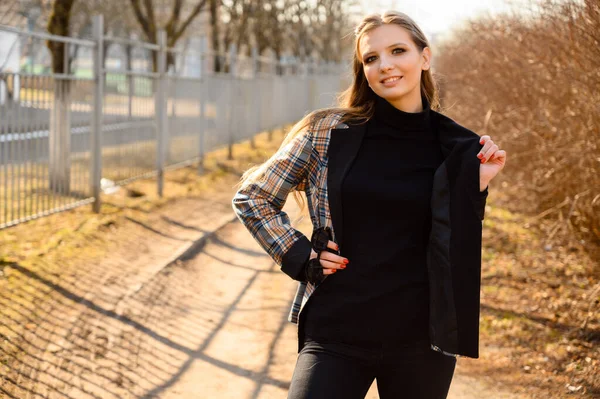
<point>391,45</point>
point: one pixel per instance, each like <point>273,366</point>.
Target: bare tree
<point>175,26</point>
<point>300,30</point>
<point>236,13</point>
<point>331,22</point>
<point>215,32</point>
<point>235,18</point>
<point>60,119</point>
<point>304,29</point>
<point>268,26</point>
<point>58,24</point>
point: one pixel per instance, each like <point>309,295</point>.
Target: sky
<point>438,16</point>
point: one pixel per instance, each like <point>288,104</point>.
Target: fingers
<point>500,155</point>
<point>488,150</point>
<point>332,263</point>
<point>329,271</point>
<point>327,264</point>
<point>487,155</point>
<point>333,245</point>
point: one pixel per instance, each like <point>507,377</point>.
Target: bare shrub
<point>531,80</point>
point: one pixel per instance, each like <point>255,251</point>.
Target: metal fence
<point>109,118</point>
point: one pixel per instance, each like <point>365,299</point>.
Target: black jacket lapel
<point>343,148</point>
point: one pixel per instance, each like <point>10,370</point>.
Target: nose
<point>385,65</point>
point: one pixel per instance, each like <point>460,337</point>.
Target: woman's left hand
<point>492,161</point>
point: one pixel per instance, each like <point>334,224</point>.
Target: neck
<point>410,102</point>
<point>404,121</point>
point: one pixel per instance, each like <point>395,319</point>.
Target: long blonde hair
<point>357,102</point>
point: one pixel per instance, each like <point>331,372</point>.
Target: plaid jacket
<point>317,160</point>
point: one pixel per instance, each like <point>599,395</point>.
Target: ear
<point>426,54</point>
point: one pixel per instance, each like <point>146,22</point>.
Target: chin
<point>392,96</point>
<point>395,93</point>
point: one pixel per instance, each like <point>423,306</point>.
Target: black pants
<point>335,370</point>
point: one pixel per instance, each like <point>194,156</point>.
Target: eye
<point>370,59</point>
<point>400,50</point>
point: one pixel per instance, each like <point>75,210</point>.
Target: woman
<point>389,282</point>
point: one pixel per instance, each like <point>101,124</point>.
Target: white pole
<point>161,110</point>
<point>203,94</point>
<point>96,132</point>
<point>233,100</point>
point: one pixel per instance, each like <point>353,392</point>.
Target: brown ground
<point>101,306</point>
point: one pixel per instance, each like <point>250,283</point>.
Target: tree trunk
<point>60,138</point>
<point>60,115</point>
<point>214,24</point>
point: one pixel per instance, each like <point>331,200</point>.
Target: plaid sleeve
<point>259,205</point>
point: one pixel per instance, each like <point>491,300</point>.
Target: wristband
<point>320,238</point>
<point>314,271</point>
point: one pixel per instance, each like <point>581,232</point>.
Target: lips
<point>391,79</point>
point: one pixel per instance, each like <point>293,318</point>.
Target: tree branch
<point>151,20</point>
<point>189,20</point>
<point>171,26</point>
<point>143,20</point>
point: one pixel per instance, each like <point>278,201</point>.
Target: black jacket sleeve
<point>296,258</point>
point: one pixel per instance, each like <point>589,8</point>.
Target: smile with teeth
<point>392,79</point>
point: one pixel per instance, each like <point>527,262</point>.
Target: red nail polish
<point>482,160</point>
<point>479,155</point>
<point>333,271</point>
<point>342,266</point>
<point>346,261</point>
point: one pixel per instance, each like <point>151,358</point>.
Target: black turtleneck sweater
<point>382,295</point>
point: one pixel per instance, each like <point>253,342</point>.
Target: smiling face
<point>392,64</point>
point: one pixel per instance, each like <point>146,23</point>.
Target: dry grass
<point>533,84</point>
<point>539,331</point>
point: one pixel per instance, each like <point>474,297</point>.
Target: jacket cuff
<point>294,260</point>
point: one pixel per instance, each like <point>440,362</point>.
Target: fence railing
<point>123,110</point>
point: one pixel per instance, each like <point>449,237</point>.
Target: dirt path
<point>248,350</point>
<point>209,325</point>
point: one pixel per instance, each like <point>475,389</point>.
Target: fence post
<point>161,110</point>
<point>130,81</point>
<point>203,94</point>
<point>256,95</point>
<point>312,83</point>
<point>59,136</point>
<point>305,82</point>
<point>232,102</point>
<point>96,139</point>
<point>271,97</point>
